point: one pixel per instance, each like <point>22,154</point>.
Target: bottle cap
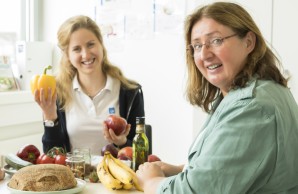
<point>140,120</point>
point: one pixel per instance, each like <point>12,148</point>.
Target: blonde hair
<point>66,71</point>
<point>261,61</point>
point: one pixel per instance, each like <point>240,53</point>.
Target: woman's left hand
<point>147,171</point>
<point>111,137</point>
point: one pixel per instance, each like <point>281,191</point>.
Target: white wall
<point>54,12</point>
<point>157,64</point>
<point>260,11</point>
<point>285,30</point>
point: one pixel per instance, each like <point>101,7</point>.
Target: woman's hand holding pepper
<point>48,105</point>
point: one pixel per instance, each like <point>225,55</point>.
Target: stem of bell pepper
<point>47,68</point>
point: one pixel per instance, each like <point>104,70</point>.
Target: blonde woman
<point>89,88</point>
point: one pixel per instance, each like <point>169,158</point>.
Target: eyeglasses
<point>216,42</point>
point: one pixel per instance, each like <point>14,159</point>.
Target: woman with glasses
<point>249,142</point>
<point>89,88</point>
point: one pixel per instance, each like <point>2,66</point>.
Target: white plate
<point>9,170</point>
<point>95,160</point>
<point>80,186</point>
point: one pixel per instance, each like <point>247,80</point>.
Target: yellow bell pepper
<point>43,81</point>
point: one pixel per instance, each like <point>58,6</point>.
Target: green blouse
<point>249,145</point>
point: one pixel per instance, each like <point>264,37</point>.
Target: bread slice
<point>43,177</point>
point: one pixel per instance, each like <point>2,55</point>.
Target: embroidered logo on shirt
<point>111,110</point>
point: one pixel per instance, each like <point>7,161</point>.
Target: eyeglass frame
<point>209,43</point>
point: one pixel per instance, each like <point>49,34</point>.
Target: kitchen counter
<point>91,188</point>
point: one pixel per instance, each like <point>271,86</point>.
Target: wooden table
<point>91,188</point>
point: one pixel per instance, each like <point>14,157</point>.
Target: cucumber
<point>16,162</point>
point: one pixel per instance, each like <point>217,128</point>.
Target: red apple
<point>111,148</point>
<point>153,158</point>
<point>117,123</point>
<point>125,152</point>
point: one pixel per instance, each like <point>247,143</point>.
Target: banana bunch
<point>115,175</point>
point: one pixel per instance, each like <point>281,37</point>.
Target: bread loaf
<point>43,177</point>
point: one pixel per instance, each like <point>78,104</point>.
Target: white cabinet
<point>31,59</point>
<point>20,116</point>
<point>20,121</point>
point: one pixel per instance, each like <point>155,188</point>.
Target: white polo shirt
<point>86,116</point>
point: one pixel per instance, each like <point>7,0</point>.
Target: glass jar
<point>76,163</point>
<point>85,152</point>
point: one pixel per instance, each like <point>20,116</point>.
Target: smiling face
<point>220,64</point>
<point>85,52</point>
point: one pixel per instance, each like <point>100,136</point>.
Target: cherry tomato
<point>60,159</point>
<point>47,160</point>
<point>56,151</point>
<point>38,160</point>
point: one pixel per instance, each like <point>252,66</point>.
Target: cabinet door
<point>285,41</point>
<point>20,121</point>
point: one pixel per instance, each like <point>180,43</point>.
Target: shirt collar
<point>246,92</point>
<point>237,94</point>
<point>109,85</point>
<point>75,84</point>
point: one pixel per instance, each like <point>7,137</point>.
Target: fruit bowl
<point>9,170</point>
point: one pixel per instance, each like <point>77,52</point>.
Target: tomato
<point>45,159</point>
<point>58,154</point>
<point>60,159</point>
<point>38,160</point>
<point>56,151</point>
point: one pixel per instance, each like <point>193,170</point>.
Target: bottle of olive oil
<point>140,144</point>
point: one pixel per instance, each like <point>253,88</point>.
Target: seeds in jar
<point>77,166</point>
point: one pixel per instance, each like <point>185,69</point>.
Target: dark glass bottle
<point>140,144</point>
